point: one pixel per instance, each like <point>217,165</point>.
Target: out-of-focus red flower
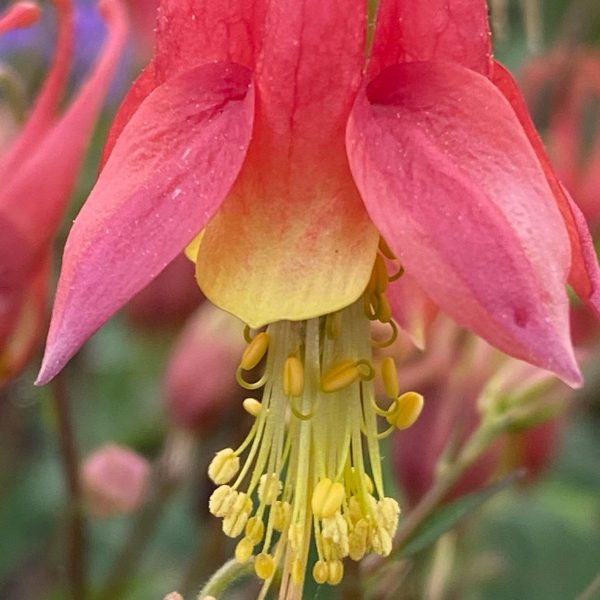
<point>453,411</point>
<point>168,300</point>
<point>562,89</point>
<point>38,172</point>
<point>143,24</point>
<point>563,92</point>
<point>200,380</point>
<point>115,480</point>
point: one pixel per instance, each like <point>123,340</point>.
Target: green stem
<point>477,444</point>
<point>228,575</point>
<point>592,590</point>
<point>76,550</point>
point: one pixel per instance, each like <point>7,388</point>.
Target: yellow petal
<point>276,251</point>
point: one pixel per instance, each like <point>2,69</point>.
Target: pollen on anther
<point>264,565</point>
<point>224,466</point>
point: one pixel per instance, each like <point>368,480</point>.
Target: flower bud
<point>200,379</point>
<point>114,480</point>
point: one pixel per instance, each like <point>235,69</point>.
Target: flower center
<point>311,464</point>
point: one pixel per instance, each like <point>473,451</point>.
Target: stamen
<point>327,498</point>
<point>340,377</point>
<point>293,377</point>
<point>345,374</point>
<point>405,410</point>
<point>388,342</point>
<point>305,454</point>
<point>255,351</point>
<point>264,565</point>
<point>385,249</point>
<point>248,385</point>
<point>389,374</point>
<point>244,550</point>
<point>224,466</point>
<point>252,406</point>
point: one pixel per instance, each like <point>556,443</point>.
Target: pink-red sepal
<point>171,168</point>
<point>453,185</point>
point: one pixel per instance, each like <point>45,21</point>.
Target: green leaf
<point>446,517</point>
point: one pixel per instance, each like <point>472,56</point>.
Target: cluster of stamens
<point>315,435</point>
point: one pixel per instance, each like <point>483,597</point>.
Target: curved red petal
<point>171,168</point>
<point>53,165</point>
<point>46,106</point>
<point>142,87</point>
<point>197,32</point>
<point>584,276</point>
<point>308,73</point>
<point>451,182</point>
<point>295,198</point>
<point>189,34</point>
<point>20,14</point>
<point>455,30</point>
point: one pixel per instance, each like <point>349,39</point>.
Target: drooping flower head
<point>304,175</point>
<point>38,172</point>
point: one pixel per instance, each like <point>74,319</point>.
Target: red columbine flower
<point>258,124</point>
<point>38,173</point>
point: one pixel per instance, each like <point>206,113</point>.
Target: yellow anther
<point>327,498</point>
<point>264,565</point>
<point>371,305</point>
<point>358,540</point>
<point>320,572</point>
<point>387,511</point>
<point>340,376</point>
<point>255,529</point>
<point>333,326</point>
<point>280,514</point>
<point>269,488</point>
<point>255,351</point>
<point>381,541</point>
<point>405,410</point>
<point>335,534</point>
<point>355,511</point>
<point>385,249</point>
<point>380,275</point>
<point>235,520</point>
<point>357,477</point>
<point>296,537</point>
<point>389,374</point>
<point>244,550</point>
<point>384,313</point>
<point>298,571</point>
<point>221,500</point>
<point>252,406</point>
<point>335,572</point>
<point>293,377</point>
<point>224,466</point>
